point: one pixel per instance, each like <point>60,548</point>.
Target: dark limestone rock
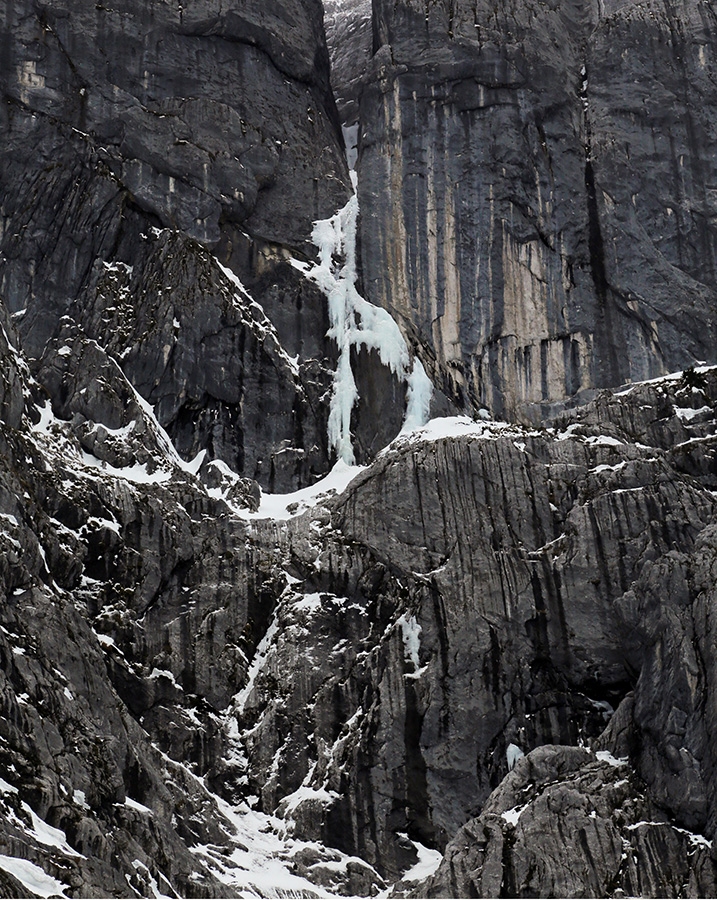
<point>122,212</point>
<point>136,141</point>
<point>350,39</point>
<point>474,593</point>
<point>197,346</point>
<point>148,86</point>
<point>564,823</point>
<point>361,670</point>
<point>109,672</point>
<point>536,185</point>
<point>181,680</point>
<point>13,367</point>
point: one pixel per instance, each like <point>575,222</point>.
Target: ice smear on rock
<point>418,400</point>
<point>512,754</point>
<point>357,323</point>
<point>411,634</point>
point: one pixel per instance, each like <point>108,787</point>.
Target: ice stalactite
<point>418,398</point>
<point>354,323</point>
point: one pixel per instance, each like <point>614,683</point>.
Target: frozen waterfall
<point>354,323</point>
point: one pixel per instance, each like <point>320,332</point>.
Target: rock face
<point>565,824</point>
<point>537,186</point>
<point>515,576</point>
<point>148,87</point>
<point>350,38</point>
<point>143,146</point>
<point>483,664</point>
<point>356,679</point>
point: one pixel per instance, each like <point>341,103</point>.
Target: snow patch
<point>255,867</point>
<point>138,807</point>
<point>305,793</point>
<point>33,878</point>
<point>137,473</point>
<point>511,816</point>
<point>109,524</point>
<point>6,788</point>
<point>105,640</point>
<point>79,798</point>
<point>46,419</point>
<point>687,415</point>
<point>605,468</point>
<point>163,673</point>
<point>460,426</point>
<point>606,756</point>
<point>309,603</point>
<point>286,506</point>
<point>603,440</point>
<point>260,863</point>
<point>47,835</point>
<point>428,861</point>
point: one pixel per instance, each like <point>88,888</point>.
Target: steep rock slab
<point>87,804</point>
<point>194,342</point>
<point>137,141</point>
<point>566,822</point>
<point>350,40</point>
<point>131,602</point>
<point>363,674</point>
<point>204,114</point>
<point>476,595</point>
<point>537,189</point>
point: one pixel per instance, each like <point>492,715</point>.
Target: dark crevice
<point>604,330</point>
<point>595,239</point>
<point>419,825</point>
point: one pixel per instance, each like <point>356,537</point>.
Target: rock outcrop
<point>501,588</point>
<point>134,599</point>
<point>537,186</point>
<point>481,664</point>
<point>567,823</point>
<point>354,680</point>
<point>142,146</point>
<point>350,38</point>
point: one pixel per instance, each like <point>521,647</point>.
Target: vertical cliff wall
<point>483,663</point>
<point>141,145</point>
<point>537,183</point>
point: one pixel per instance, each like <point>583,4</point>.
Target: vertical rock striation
<point>537,187</point>
<point>478,596</point>
<point>493,644</point>
<point>140,141</point>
